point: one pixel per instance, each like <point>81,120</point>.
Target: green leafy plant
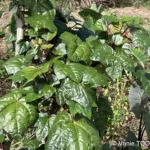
<point>58,74</point>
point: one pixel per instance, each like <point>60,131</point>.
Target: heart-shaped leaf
<point>101,52</point>
<point>75,91</point>
<point>15,114</point>
<point>137,99</point>
<point>15,64</point>
<point>77,134</point>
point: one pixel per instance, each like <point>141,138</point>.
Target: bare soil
<point>4,20</point>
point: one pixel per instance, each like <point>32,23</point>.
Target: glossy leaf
<point>91,76</point>
<point>59,67</point>
<point>40,21</point>
<point>49,36</point>
<point>31,144</point>
<point>77,50</point>
<point>137,99</point>
<point>100,26</point>
<point>18,77</point>
<point>74,71</point>
<point>117,39</point>
<point>46,46</point>
<point>47,91</point>
<point>32,97</point>
<point>60,49</point>
<point>101,52</point>
<point>31,72</point>
<point>141,39</point>
<point>140,56</point>
<point>115,71</point>
<point>68,134</point>
<point>44,124</point>
<point>67,38</point>
<point>76,108</point>
<point>15,64</point>
<point>15,114</point>
<point>81,53</point>
<point>76,92</point>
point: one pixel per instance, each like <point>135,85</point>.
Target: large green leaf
<point>77,134</point>
<point>32,96</point>
<point>101,52</point>
<point>75,91</point>
<point>75,71</point>
<point>43,21</point>
<point>78,73</point>
<point>137,99</point>
<point>100,26</point>
<point>15,64</point>
<point>31,72</point>
<point>59,67</point>
<point>67,37</point>
<point>117,39</point>
<point>110,19</point>
<point>77,50</point>
<point>47,91</point>
<point>87,13</point>
<point>91,76</point>
<point>60,49</point>
<point>15,114</point>
<point>115,71</point>
<point>75,108</point>
<point>18,77</point>
<point>81,52</point>
<point>119,63</point>
<point>38,6</point>
<point>31,144</point>
<point>141,39</point>
<point>43,125</point>
<point>140,56</point>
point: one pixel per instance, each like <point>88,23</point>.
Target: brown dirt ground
<point>4,20</point>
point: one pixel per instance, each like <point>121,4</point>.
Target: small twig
<point>140,130</point>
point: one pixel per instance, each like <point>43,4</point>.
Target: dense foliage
<point>60,73</point>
